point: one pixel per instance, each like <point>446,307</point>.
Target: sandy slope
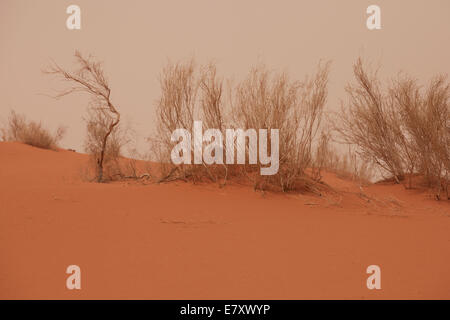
<point>182,241</point>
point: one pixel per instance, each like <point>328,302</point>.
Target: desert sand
<point>183,241</point>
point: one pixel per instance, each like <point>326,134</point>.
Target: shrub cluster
<point>33,133</point>
<point>263,100</point>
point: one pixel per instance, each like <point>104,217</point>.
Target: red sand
<point>184,241</point>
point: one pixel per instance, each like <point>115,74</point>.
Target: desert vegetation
<point>266,100</point>
<point>19,128</point>
<point>103,118</point>
<point>263,100</point>
<point>114,165</point>
<point>402,128</point>
<point>399,127</point>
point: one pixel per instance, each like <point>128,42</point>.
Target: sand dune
<point>184,241</point>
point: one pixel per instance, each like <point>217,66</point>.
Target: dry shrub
<point>272,101</point>
<point>370,124</point>
<point>175,109</point>
<point>403,129</point>
<point>424,118</point>
<point>188,93</point>
<point>32,133</point>
<point>214,116</point>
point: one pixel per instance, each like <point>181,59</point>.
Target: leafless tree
<point>90,78</point>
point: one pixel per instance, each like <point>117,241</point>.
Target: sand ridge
<point>183,241</point>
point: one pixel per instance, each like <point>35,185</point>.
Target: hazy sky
<point>135,39</point>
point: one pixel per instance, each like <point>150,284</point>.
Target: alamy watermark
<point>235,140</point>
<point>73,22</point>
